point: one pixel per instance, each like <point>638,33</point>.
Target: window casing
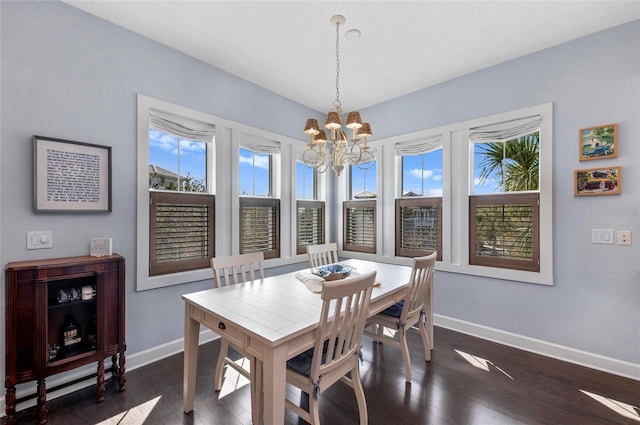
<point>181,234</point>
<point>504,231</point>
<point>418,227</point>
<point>359,224</point>
<point>504,225</point>
<point>418,213</point>
<point>181,208</point>
<point>260,226</point>
<point>310,212</point>
<point>310,224</point>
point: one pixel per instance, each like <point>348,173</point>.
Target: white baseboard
<point>568,354</point>
<point>143,358</point>
<point>133,362</point>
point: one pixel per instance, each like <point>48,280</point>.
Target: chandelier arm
<point>337,103</point>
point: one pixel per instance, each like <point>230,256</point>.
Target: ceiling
<point>288,47</point>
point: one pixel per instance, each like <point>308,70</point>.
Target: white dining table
<point>271,321</point>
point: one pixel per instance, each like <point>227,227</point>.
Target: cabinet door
<point>71,317</point>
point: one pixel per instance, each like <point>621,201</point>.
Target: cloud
<point>169,143</point>
<point>420,174</point>
<point>259,161</point>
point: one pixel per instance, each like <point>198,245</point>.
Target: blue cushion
<point>302,362</point>
<point>394,310</point>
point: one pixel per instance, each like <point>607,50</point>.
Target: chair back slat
<point>320,255</point>
<point>420,285</point>
<point>345,308</point>
<point>236,269</point>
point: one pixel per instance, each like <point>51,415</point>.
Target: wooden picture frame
<point>598,142</point>
<point>597,181</point>
<point>70,176</point>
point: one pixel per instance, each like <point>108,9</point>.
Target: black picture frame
<point>71,177</point>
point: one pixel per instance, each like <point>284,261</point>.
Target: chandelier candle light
<point>341,150</point>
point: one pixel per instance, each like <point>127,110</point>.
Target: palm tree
<point>514,163</point>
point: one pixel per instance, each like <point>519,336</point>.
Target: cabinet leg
<point>100,389</point>
<point>114,367</point>
<point>42,402</point>
<point>121,379</point>
<point>10,405</point>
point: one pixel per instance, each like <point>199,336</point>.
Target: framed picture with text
<point>70,176</point>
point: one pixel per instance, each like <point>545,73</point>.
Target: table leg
<point>191,336</point>
<point>257,406</point>
<point>274,372</point>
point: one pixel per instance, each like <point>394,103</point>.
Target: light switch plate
<point>602,236</point>
<point>39,240</point>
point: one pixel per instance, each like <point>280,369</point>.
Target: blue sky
<point>421,174</point>
<point>178,155</point>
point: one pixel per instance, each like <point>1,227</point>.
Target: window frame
<point>316,205</point>
<point>157,269</point>
<point>229,136</point>
<point>261,202</point>
<point>348,205</point>
<point>417,202</point>
<point>457,183</point>
<point>506,198</point>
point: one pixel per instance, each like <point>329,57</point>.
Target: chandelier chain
<point>337,103</point>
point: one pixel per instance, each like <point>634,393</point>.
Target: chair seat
<point>395,310</point>
<point>302,362</point>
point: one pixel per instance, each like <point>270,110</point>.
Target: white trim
<point>133,362</point>
<point>225,158</point>
<point>456,184</point>
<point>146,357</point>
<point>548,349</point>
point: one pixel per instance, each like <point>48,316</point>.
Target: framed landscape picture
<point>599,142</point>
<point>597,181</point>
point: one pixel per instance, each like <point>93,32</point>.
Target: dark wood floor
<point>518,388</point>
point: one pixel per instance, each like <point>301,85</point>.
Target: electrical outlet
<point>39,240</point>
<point>623,237</point>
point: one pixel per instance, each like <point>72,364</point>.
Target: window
<point>259,210</point>
<point>181,206</point>
<point>418,227</point>
<point>419,209</point>
<point>182,231</point>
<point>310,213</point>
<point>363,181</point>
<point>503,212</point>
<point>260,226</point>
<point>360,226</point>
<point>481,190</point>
<point>255,173</point>
<point>504,231</point>
<point>359,215</point>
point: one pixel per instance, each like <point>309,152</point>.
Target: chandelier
<point>338,150</point>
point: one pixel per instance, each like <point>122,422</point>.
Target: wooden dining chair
<point>227,271</point>
<point>319,255</point>
<point>415,308</point>
<point>335,355</point>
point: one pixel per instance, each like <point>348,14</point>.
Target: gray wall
<point>595,303</point>
<point>67,74</point>
<point>70,75</point>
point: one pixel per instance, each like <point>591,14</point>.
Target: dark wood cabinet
<point>63,313</point>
